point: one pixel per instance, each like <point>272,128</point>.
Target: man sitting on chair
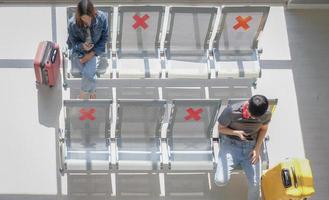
<point>242,127</point>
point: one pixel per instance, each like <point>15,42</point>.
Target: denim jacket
<point>99,34</point>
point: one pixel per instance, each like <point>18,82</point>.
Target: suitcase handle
<point>295,177</point>
<point>53,55</point>
<point>286,178</point>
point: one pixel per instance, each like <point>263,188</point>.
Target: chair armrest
<point>215,148</point>
<point>163,60</point>
<point>62,154</point>
<point>264,155</point>
<point>211,64</point>
<point>164,157</point>
<point>114,154</point>
<point>113,120</point>
<point>259,43</point>
<point>65,61</point>
<point>114,70</point>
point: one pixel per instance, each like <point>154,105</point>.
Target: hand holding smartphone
<point>87,46</point>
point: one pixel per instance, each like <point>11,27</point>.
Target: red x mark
<point>195,114</point>
<point>242,22</point>
<point>87,114</point>
<point>140,21</point>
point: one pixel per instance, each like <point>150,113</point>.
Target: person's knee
<point>221,180</point>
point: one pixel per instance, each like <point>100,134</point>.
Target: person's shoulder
<point>228,109</point>
<point>72,21</point>
<point>267,116</point>
<point>236,106</point>
<point>101,15</point>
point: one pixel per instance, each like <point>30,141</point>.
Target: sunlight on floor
<point>274,39</point>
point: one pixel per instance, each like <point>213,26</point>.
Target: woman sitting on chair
<point>88,35</point>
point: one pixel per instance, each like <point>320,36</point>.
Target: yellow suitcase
<point>289,180</point>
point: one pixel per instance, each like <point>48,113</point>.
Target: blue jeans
<point>88,71</point>
<point>232,154</point>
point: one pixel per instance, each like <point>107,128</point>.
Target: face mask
<point>245,112</point>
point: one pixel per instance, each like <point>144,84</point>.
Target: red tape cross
<point>140,21</point>
<point>193,114</point>
<point>87,114</point>
<point>242,22</point>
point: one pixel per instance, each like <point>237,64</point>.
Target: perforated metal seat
<point>137,93</point>
<point>138,42</point>
<point>85,145</point>
<point>190,134</point>
<point>236,46</point>
<point>239,65</point>
<point>138,134</point>
<point>188,40</point>
<point>171,93</point>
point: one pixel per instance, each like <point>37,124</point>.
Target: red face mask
<point>245,112</point>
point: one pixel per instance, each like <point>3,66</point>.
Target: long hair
<point>85,7</point>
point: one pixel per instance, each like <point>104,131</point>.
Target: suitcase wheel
<point>65,86</point>
<point>37,85</point>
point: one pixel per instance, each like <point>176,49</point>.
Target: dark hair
<point>85,7</point>
<point>258,105</point>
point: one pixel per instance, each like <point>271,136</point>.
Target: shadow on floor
<point>50,104</point>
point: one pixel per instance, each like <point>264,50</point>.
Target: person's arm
<point>75,41</point>
<point>228,131</point>
<point>224,121</point>
<point>87,57</point>
<point>99,47</point>
<point>256,152</point>
<point>260,139</point>
<point>261,136</point>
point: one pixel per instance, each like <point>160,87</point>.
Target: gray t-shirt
<point>232,118</point>
<point>88,36</point>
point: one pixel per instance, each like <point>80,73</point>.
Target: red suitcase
<point>47,63</point>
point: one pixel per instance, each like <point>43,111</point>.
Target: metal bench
<point>138,42</point>
<point>187,42</point>
<point>137,135</point>
<point>236,43</point>
<point>190,134</point>
<point>84,143</point>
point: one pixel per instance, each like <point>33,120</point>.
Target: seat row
<point>181,42</point>
<point>140,135</point>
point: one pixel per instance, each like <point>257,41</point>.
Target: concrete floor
<point>309,49</point>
